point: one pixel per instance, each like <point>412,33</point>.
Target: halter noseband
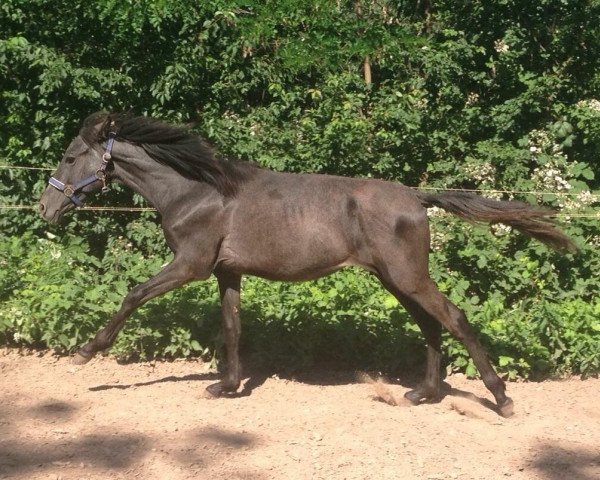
<point>72,191</point>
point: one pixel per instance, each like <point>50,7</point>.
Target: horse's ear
<point>93,126</point>
<point>113,122</point>
<point>110,125</point>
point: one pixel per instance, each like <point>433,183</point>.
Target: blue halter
<point>72,192</point>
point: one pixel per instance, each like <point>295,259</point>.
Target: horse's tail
<point>532,220</point>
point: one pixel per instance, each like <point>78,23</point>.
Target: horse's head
<point>82,171</point>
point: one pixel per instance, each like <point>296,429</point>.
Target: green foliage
<point>59,296</point>
<point>489,95</point>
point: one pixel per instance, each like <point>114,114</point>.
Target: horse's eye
<point>70,160</point>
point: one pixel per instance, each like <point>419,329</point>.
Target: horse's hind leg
<point>229,288</point>
<point>454,319</point>
<point>427,297</point>
<point>430,389</point>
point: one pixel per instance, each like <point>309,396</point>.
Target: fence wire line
<point>151,209</point>
<point>446,189</point>
<point>510,192</point>
<point>473,190</point>
<point>22,167</point>
<point>90,208</point>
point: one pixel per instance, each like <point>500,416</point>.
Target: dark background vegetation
<point>498,96</point>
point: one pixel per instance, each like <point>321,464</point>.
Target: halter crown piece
<point>72,192</point>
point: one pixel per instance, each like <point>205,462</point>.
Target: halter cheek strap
<point>72,192</point>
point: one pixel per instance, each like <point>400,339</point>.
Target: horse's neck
<point>159,184</point>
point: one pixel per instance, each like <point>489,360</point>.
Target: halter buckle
<point>68,191</point>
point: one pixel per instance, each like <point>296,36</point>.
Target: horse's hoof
<point>220,389</point>
<point>418,396</point>
<point>507,408</point>
<point>214,391</point>
<point>79,359</point>
<point>413,396</point>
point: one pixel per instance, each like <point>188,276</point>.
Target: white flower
<point>499,229</point>
<point>591,103</point>
<point>493,195</point>
<point>501,46</point>
<point>551,178</point>
<point>484,172</point>
<point>586,198</point>
<point>438,240</point>
<point>472,98</point>
<point>580,201</point>
<point>435,212</point>
<point>539,139</point>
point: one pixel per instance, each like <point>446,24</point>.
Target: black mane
<point>179,148</point>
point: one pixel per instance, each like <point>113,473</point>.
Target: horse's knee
<point>133,298</point>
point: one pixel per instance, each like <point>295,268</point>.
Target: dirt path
<point>111,421</point>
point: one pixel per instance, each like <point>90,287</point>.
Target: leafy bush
<point>62,296</point>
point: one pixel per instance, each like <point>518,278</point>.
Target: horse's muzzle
<point>51,209</point>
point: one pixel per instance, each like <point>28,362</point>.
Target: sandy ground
<point>152,421</point>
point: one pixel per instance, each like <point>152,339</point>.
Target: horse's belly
<point>294,259</point>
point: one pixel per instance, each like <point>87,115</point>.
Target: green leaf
<point>503,361</point>
<point>471,370</point>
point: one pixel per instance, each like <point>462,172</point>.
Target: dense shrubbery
<point>530,323</point>
<point>502,96</point>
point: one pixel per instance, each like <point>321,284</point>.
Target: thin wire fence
<point>91,208</point>
<point>593,197</point>
<point>23,167</point>
<point>96,208</point>
<point>596,197</point>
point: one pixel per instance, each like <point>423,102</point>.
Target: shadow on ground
<point>105,451</point>
<point>314,376</point>
<point>27,452</point>
<point>252,382</point>
<point>558,463</point>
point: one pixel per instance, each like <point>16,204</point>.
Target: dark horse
<point>232,218</point>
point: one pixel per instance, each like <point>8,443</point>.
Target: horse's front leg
<point>229,288</point>
<point>174,275</point>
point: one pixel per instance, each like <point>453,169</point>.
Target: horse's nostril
<point>42,208</point>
